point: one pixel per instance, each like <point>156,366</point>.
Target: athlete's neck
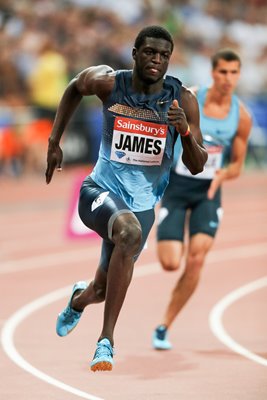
<point>143,87</point>
<point>214,95</point>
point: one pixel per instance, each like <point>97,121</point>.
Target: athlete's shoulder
<point>245,120</point>
<point>244,112</point>
<point>95,71</point>
<point>194,89</point>
<point>243,108</point>
<point>187,94</point>
<point>172,79</point>
<point>96,80</point>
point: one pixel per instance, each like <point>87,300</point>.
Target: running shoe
<point>103,358</point>
<point>160,338</point>
<point>69,318</point>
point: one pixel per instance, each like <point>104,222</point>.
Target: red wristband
<point>187,132</point>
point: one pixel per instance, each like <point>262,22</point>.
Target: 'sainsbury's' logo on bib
<point>141,142</point>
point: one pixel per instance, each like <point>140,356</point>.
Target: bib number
<point>138,142</point>
<point>214,162</point>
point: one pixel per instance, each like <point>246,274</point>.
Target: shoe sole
<point>71,330</point>
<point>102,366</point>
<point>162,348</point>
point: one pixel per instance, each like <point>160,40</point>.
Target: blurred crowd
<point>44,43</point>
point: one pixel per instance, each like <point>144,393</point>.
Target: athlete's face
<point>152,59</point>
<point>226,75</point>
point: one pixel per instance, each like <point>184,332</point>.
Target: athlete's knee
<point>169,262</point>
<point>169,265</point>
<point>195,262</point>
<point>169,255</point>
<point>129,237</point>
<point>199,246</point>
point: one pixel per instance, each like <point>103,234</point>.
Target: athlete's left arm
<point>238,152</point>
<point>185,118</point>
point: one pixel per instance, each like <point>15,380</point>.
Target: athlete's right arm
<point>238,152</point>
<point>97,81</point>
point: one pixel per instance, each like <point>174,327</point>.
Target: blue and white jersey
<point>136,151</point>
<point>218,135</point>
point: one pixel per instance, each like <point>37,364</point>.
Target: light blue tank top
<point>218,135</point>
<point>136,151</point>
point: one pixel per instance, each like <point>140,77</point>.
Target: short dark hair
<point>224,54</point>
<point>153,31</point>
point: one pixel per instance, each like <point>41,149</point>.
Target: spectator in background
<point>47,81</point>
<point>81,29</point>
<point>13,94</point>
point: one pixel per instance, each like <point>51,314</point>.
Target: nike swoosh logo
<point>99,201</point>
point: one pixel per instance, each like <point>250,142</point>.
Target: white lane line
<point>80,255</point>
<point>216,315</point>
<point>8,332</point>
<point>10,349</point>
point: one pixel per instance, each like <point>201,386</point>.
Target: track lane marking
<point>80,255</point>
<point>10,349</point>
<point>8,332</point>
<point>216,316</point>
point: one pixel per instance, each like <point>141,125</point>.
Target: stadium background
<point>44,43</point>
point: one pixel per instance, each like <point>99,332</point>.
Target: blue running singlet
<point>136,151</point>
<point>218,135</point>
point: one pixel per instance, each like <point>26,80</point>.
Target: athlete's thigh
<point>200,244</point>
<point>171,221</point>
<point>146,220</point>
<point>205,217</point>
<point>99,208</point>
<point>170,232</point>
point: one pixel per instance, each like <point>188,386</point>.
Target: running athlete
<point>193,203</point>
<point>144,111</point>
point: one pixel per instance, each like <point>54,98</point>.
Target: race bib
<point>138,142</point>
<point>214,162</point>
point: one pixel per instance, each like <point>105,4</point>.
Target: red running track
<point>220,338</point>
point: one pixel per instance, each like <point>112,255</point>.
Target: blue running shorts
<point>99,208</point>
<point>184,198</point>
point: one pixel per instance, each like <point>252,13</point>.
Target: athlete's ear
<point>134,52</point>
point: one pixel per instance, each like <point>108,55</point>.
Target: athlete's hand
<point>216,183</point>
<point>177,118</point>
<point>54,160</point>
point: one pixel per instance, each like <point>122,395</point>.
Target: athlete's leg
<point>170,249</point>
<point>203,225</point>
<point>94,293</point>
<point>126,235</point>
<point>170,235</point>
<point>111,282</point>
<point>170,254</point>
<point>199,245</point>
<point>129,234</point>
<point>96,290</point>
